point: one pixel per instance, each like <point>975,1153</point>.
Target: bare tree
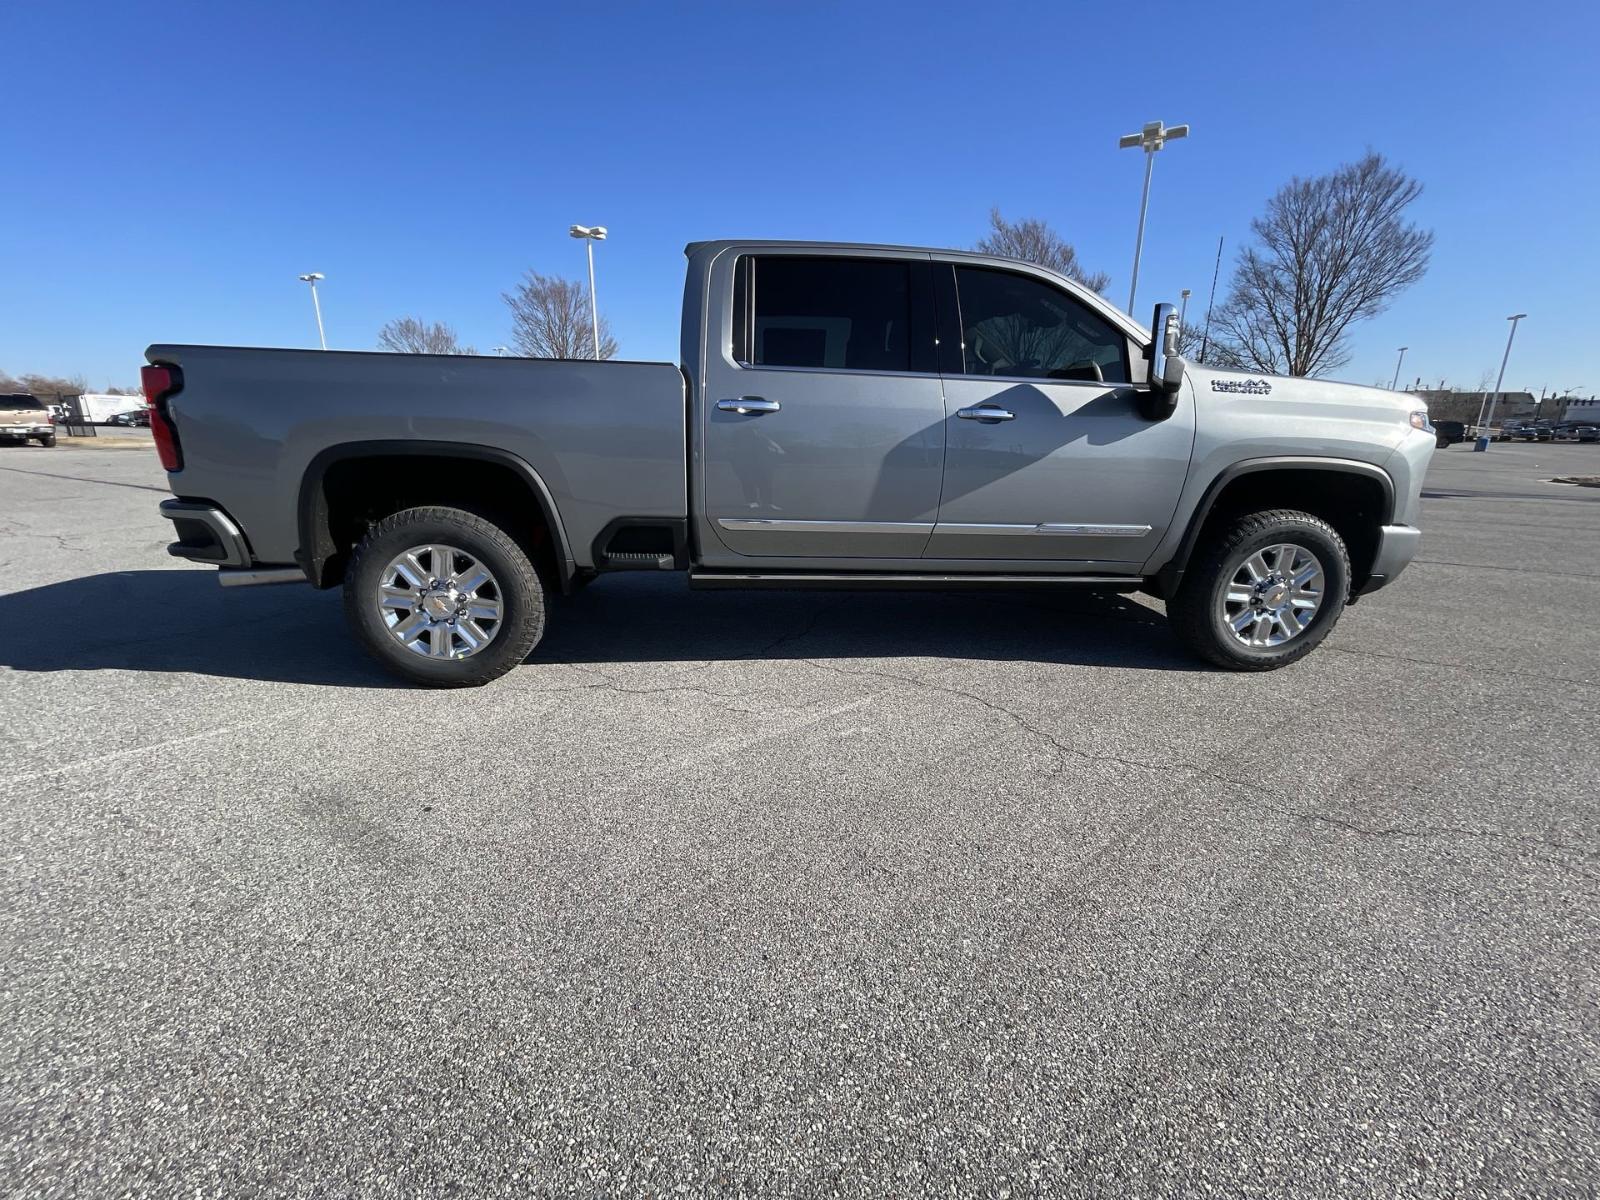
<point>550,318</point>
<point>1333,250</point>
<point>1034,241</point>
<point>408,335</point>
<point>44,385</point>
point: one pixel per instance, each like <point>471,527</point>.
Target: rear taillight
<point>161,381</point>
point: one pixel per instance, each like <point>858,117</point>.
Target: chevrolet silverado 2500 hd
<point>844,416</point>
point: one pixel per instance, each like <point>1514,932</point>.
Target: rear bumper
<point>1397,546</point>
<point>206,534</point>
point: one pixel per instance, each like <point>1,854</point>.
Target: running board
<point>872,580</point>
<point>256,576</point>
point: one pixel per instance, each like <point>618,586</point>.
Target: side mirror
<point>1166,362</point>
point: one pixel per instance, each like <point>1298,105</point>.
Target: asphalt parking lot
<point>800,893</point>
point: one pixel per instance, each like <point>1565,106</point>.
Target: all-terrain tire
<point>517,586</point>
<point>1196,612</point>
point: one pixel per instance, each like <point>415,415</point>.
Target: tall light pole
<point>1483,441</point>
<point>316,304</point>
<point>1183,309</point>
<point>1395,382</point>
<point>1152,137</point>
<point>501,351</point>
<point>590,235</point>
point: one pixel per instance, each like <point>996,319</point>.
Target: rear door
<point>823,417</point>
<point>1048,457</point>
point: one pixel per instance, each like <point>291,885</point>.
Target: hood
<point>1287,392</point>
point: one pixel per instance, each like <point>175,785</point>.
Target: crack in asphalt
<point>1443,562</point>
<point>610,685</point>
<point>1460,666</point>
<point>143,487</point>
<point>1253,788</point>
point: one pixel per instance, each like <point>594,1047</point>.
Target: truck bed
<point>606,438</point>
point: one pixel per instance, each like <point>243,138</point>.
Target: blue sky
<point>172,167</point>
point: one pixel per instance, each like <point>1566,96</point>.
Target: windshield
<point>15,401</point>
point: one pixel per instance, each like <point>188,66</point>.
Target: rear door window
<point>849,314</point>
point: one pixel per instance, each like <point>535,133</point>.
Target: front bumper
<point>1397,546</point>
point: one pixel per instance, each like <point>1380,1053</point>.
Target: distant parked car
<point>136,416</point>
<point>1587,433</point>
<point>1450,432</point>
<point>24,419</point>
<point>1508,431</point>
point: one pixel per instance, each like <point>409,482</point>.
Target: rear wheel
<point>444,597</point>
<point>48,440</point>
<point>1263,591</point>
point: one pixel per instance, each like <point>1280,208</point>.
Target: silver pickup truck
<point>844,417</point>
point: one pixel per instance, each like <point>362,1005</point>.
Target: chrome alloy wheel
<point>440,602</point>
<point>1274,595</point>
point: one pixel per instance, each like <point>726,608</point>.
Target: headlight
<point>1419,420</point>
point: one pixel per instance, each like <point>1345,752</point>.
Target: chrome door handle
<point>748,404</point>
<point>986,412</point>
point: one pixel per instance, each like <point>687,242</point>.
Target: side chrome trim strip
<point>848,580</point>
<point>1096,530</point>
<point>764,525</point>
<point>1057,528</point>
<point>1051,527</point>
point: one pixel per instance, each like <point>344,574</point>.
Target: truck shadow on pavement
<point>181,621</point>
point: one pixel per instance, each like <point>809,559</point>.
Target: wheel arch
<point>321,550</point>
<point>1355,497</point>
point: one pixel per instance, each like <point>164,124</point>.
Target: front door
<point>823,417</point>
<point>1047,455</point>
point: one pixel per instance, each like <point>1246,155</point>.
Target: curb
<point>105,443</point>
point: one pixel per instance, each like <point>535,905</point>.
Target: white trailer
<point>97,407</point>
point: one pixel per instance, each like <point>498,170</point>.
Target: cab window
<point>1020,327</point>
<point>851,314</point>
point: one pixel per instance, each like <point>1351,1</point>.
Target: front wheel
<point>444,597</point>
<point>1263,590</point>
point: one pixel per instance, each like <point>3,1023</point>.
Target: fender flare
<point>1171,572</point>
<point>312,506</point>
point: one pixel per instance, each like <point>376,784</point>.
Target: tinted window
<point>853,314</point>
<point>17,401</point>
<point>1015,325</point>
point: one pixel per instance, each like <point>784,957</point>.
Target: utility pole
<point>1205,340</point>
<point>1396,380</point>
<point>1483,441</point>
<point>1152,137</point>
<point>590,234</point>
<point>312,278</point>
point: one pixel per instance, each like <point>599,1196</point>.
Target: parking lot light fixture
<point>1483,425</point>
<point>590,235</point>
<point>1152,137</point>
<point>312,277</point>
<point>1395,382</point>
<point>501,351</point>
